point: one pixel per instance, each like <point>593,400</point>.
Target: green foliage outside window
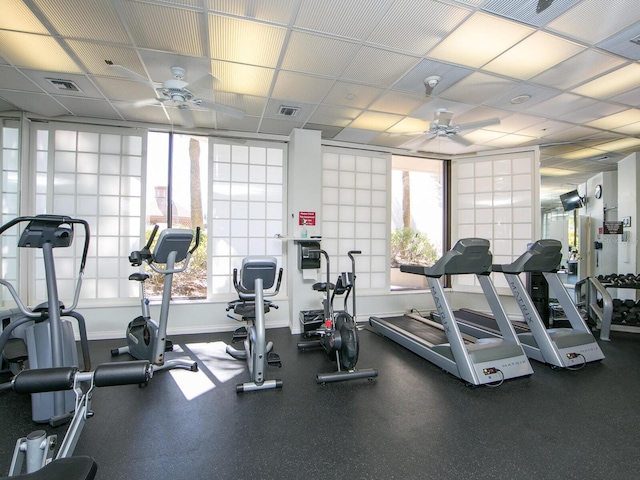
<point>410,247</point>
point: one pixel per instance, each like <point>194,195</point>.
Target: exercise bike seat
<point>322,286</point>
<point>70,468</point>
<point>139,276</point>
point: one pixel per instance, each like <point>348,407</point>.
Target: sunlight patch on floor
<point>215,359</point>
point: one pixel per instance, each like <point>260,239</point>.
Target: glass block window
<point>10,181</point>
<point>496,198</point>
<point>246,207</point>
<point>355,213</point>
<point>96,176</point>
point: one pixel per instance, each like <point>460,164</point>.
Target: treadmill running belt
<point>430,334</point>
<point>485,321</point>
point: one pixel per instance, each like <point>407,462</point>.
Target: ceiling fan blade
<point>130,74</point>
<point>460,140</point>
<point>479,124</point>
<point>206,81</point>
<point>413,144</point>
<point>147,102</point>
<point>403,134</point>
<point>230,112</point>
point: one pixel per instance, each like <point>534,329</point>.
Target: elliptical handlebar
<point>197,242</point>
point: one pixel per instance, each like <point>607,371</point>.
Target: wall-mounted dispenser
<point>308,255</point>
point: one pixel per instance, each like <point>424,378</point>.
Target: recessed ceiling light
<point>520,99</point>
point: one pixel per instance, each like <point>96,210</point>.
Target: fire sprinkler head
<point>432,81</point>
<point>178,72</point>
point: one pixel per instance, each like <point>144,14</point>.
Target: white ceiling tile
<point>245,41</point>
<point>25,50</point>
<point>378,67</point>
<point>478,88</point>
<point>82,82</point>
<point>243,79</point>
<point>17,16</point>
<point>94,57</point>
<point>592,21</point>
<point>413,81</point>
<point>279,127</point>
<point>591,112</point>
<point>13,79</point>
<point>424,24</point>
<point>120,89</point>
<point>528,11</point>
<point>304,88</point>
<point>41,104</point>
<point>84,20</point>
<point>578,69</point>
<point>335,116</point>
<point>475,43</point>
<point>397,102</point>
<point>612,83</point>
<point>317,54</point>
<point>352,19</point>
<point>88,107</point>
<point>245,124</point>
<point>352,95</point>
<point>276,11</point>
<point>165,28</point>
<point>356,135</point>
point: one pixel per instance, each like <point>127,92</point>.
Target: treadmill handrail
<point>468,256</point>
<point>541,256</point>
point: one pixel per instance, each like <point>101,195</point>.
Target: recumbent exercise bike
<point>338,334</point>
<point>146,338</point>
<point>257,276</point>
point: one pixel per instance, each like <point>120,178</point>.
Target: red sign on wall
<point>307,218</point>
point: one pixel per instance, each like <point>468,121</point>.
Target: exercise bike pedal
<point>239,334</point>
<point>273,359</point>
<point>168,346</point>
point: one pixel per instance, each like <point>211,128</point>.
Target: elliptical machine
<point>146,338</point>
<point>257,275</point>
<point>339,332</point>
<point>42,337</point>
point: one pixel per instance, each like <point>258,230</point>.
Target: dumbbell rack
<point>625,314</point>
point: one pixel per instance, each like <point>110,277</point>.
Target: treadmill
<point>487,361</point>
<point>571,347</point>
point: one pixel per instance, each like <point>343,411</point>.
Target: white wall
<point>627,202</point>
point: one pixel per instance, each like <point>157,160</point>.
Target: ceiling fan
<point>176,92</point>
<point>443,126</point>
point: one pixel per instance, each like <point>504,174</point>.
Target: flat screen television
<point>571,200</point>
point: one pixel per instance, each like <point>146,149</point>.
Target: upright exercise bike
<point>257,277</point>
<point>146,338</point>
<point>338,335</point>
<point>42,336</point>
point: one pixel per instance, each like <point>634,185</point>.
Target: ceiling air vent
<point>288,111</point>
<point>64,85</point>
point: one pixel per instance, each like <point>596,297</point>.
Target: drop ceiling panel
<point>423,25</point>
<point>5,106</point>
<point>277,11</point>
<point>526,11</point>
<point>538,94</point>
<point>621,43</point>
<point>117,89</point>
<point>303,88</point>
<point>246,124</point>
<point>326,131</point>
<point>334,116</point>
<point>398,102</point>
<point>591,112</point>
<point>13,79</point>
<point>352,95</point>
<point>533,55</point>
<point>149,114</point>
<point>85,107</point>
<point>475,43</point>
<point>632,97</point>
<point>478,88</point>
<point>158,66</point>
<point>245,41</point>
<point>560,105</point>
<point>578,69</point>
<point>250,105</point>
<point>375,121</point>
<point>516,122</point>
<point>164,28</point>
<point>17,16</point>
<point>25,50</point>
<point>41,104</point>
<point>352,19</point>
<point>410,126</point>
<point>612,83</point>
<point>592,20</point>
<point>88,20</point>
<point>243,79</point>
<point>93,57</point>
<point>616,120</point>
<point>279,127</point>
<point>317,54</point>
<point>380,67</point>
<point>414,80</point>
<point>356,135</point>
<point>273,107</point>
